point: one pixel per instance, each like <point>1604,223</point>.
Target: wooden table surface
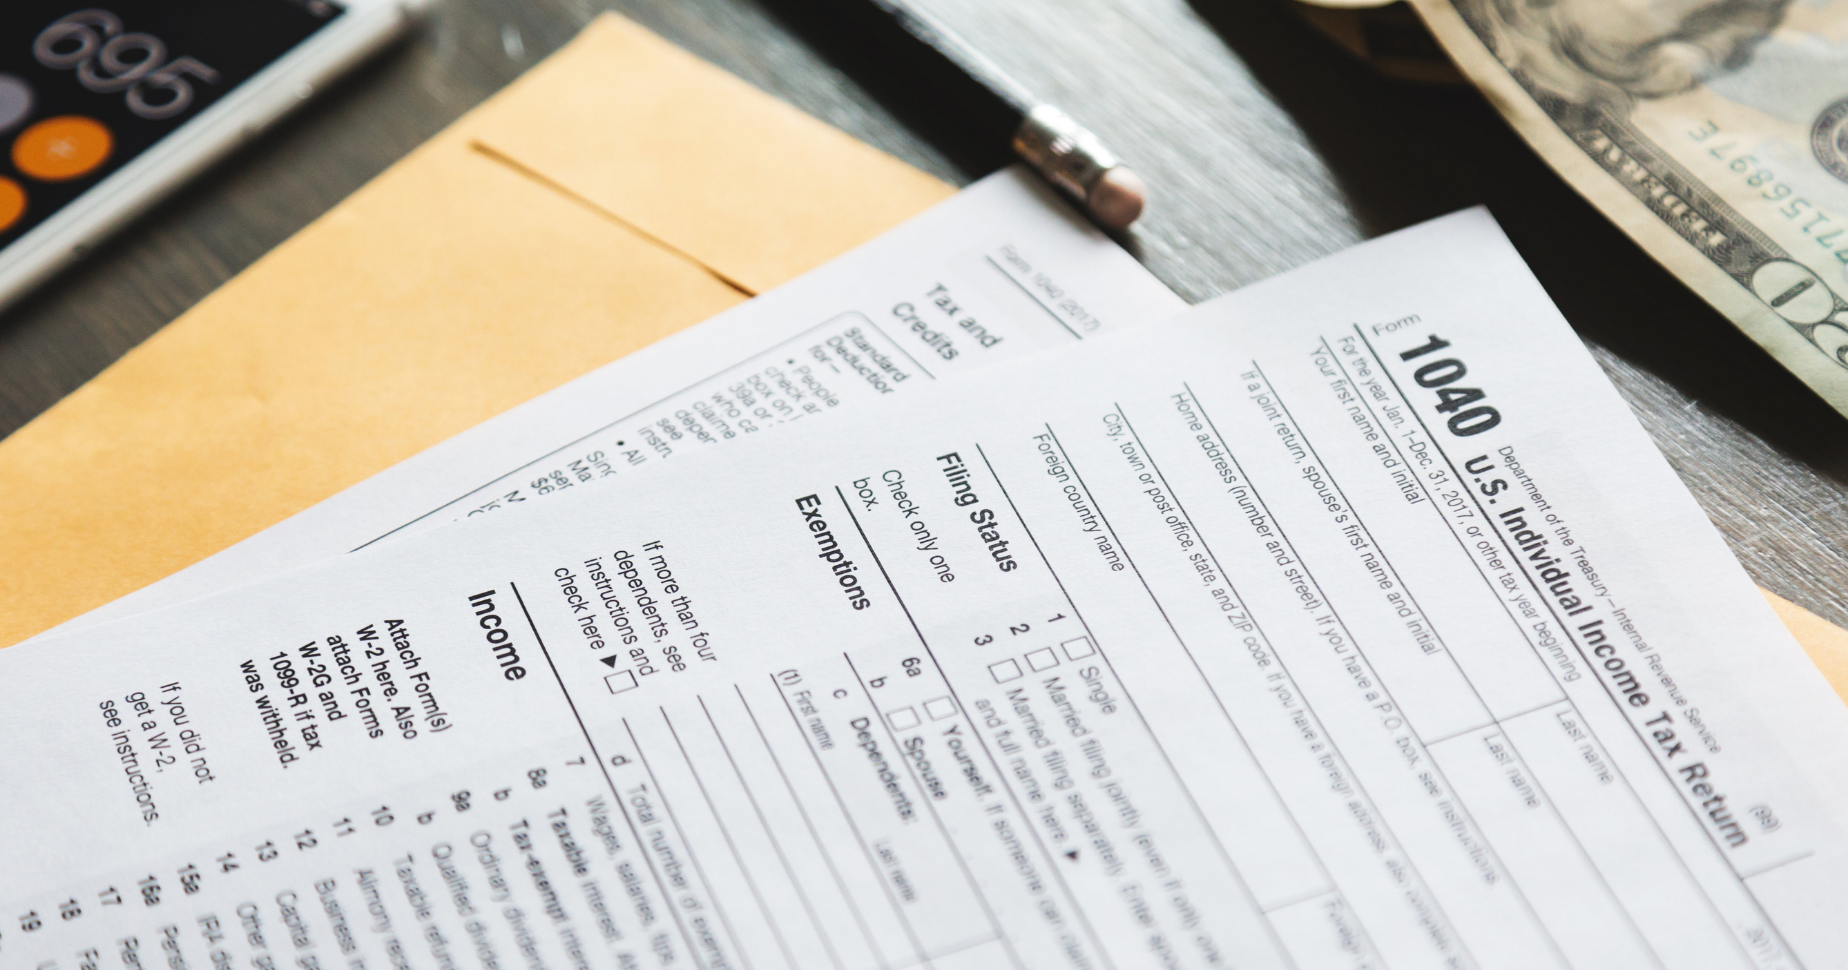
<point>1265,146</point>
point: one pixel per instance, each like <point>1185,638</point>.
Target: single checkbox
<point>1042,658</point>
<point>903,719</point>
<point>1005,671</point>
<point>1079,648</point>
<point>620,681</point>
<point>939,708</point>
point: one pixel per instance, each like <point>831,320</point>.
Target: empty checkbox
<point>1078,649</point>
<point>903,719</point>
<point>620,681</point>
<point>1005,671</point>
<point>940,708</point>
<point>1042,658</point>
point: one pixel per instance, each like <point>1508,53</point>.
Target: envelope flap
<point>697,158</point>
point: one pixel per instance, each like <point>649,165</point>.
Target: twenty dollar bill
<point>1713,132</point>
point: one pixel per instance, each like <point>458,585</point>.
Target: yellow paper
<point>450,288</point>
<point>1826,643</point>
<point>697,158</point>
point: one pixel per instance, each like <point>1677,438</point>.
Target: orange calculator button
<point>12,203</point>
<point>66,147</point>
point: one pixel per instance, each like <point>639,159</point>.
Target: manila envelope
<point>465,279</point>
<point>619,191</point>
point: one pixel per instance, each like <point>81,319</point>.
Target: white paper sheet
<point>1348,621</point>
<point>1002,269</point>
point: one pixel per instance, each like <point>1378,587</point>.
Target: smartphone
<point>105,108</point>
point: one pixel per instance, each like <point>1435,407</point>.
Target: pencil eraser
<point>1117,198</point>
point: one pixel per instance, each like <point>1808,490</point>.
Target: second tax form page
<point>1348,621</point>
<point>1001,269</point>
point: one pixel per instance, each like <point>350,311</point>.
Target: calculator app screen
<point>86,88</point>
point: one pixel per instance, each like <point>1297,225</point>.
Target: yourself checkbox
<point>620,681</point>
<point>903,719</point>
<point>939,708</point>
<point>1079,648</point>
<point>1042,658</point>
<point>1005,671</point>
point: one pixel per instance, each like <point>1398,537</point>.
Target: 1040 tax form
<point>1347,621</point>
